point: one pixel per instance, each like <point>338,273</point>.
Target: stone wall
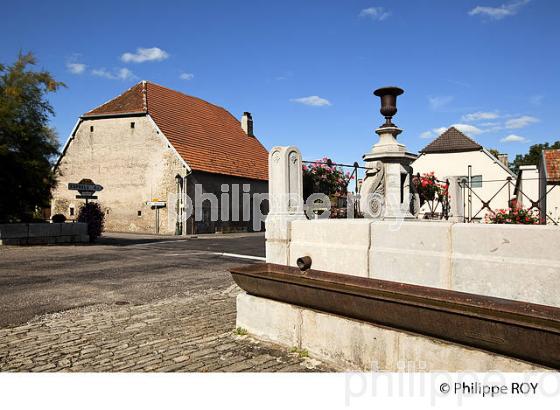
<point>43,233</point>
<point>509,261</point>
<point>212,183</point>
<point>133,164</point>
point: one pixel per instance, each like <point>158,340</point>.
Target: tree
<point>92,214</point>
<point>28,146</point>
<point>494,152</point>
<point>533,156</point>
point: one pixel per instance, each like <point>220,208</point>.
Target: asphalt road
<point>121,269</point>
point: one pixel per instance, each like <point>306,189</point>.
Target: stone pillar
<point>386,190</point>
<point>285,188</point>
<point>457,208</point>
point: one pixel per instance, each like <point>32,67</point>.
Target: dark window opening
<point>132,125</point>
<point>139,213</point>
<point>91,128</point>
<point>72,211</point>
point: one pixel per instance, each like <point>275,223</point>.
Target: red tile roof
<point>552,164</point>
<point>452,140</point>
<point>206,136</point>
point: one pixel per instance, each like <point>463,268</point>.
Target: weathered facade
<point>153,144</point>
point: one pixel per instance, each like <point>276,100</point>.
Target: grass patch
<point>300,352</point>
<point>240,331</point>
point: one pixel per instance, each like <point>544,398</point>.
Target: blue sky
<point>307,69</point>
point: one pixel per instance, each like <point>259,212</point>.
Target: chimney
<point>503,158</point>
<point>247,123</point>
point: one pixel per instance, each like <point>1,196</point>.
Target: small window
<point>71,211</point>
<point>107,212</point>
<point>476,181</point>
<point>132,124</point>
<point>139,213</point>
<point>91,128</point>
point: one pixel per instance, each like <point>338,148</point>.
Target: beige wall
<point>134,165</point>
<point>519,262</point>
<point>456,164</point>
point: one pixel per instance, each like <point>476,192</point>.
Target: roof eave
<point>113,115</point>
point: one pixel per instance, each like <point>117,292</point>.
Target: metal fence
<point>515,197</point>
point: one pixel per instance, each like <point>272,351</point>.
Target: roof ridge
<point>188,95</point>
<point>464,135</point>
<point>452,140</point>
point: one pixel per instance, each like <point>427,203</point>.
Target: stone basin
<point>521,330</point>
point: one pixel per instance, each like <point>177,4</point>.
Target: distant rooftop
<point>451,140</point>
<point>552,163</point>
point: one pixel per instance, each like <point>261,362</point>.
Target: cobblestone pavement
<point>185,334</point>
<point>130,305</point>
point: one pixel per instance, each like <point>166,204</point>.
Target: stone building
<point>152,145</point>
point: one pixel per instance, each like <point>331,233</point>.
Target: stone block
<point>276,322</point>
<point>412,252</point>
<point>507,261</point>
<point>334,245</point>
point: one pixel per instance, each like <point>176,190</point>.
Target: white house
<point>453,154</point>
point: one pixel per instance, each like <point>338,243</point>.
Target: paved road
<point>131,303</point>
<point>122,268</point>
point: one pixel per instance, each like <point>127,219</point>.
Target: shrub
<point>58,219</point>
<point>513,216</point>
<point>92,214</point>
<point>325,177</point>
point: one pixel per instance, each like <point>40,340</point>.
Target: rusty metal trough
<point>522,330</point>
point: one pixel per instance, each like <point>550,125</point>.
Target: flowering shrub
<point>513,216</point>
<point>92,214</point>
<point>432,191</point>
<point>429,188</point>
<point>322,177</point>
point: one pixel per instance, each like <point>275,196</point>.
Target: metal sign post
<point>86,187</point>
<point>157,205</point>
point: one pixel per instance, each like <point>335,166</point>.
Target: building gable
<point>206,136</point>
<point>452,140</point>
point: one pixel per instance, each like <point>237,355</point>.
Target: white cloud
<point>119,74</point>
<point>375,13</point>
<point>536,99</point>
<point>498,13</point>
<point>145,54</point>
<point>513,138</point>
<point>76,68</point>
<point>439,102</point>
<point>313,100</point>
<point>478,116</point>
<point>468,129</point>
<point>521,122</point>
<point>186,76</point>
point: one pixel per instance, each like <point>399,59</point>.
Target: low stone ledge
<point>43,233</point>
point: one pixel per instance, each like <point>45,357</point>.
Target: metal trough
<point>522,330</point>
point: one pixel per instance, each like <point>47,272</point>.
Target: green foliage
<point>533,157</point>
<point>58,218</point>
<point>92,214</point>
<point>300,352</point>
<point>494,152</point>
<point>27,145</point>
<point>324,177</point>
<point>240,331</point>
<point>518,216</point>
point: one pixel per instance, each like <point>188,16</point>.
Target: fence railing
<point>515,197</point>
